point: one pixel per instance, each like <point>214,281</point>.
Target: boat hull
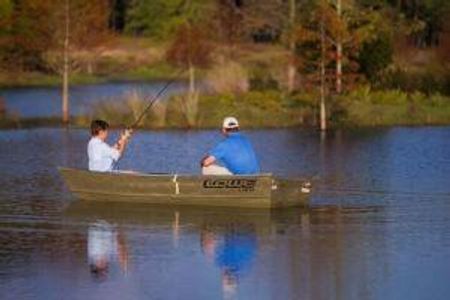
<point>259,191</point>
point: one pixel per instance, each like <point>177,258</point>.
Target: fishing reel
<point>125,134</point>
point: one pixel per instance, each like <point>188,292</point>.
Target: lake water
<point>46,101</point>
<point>378,226</point>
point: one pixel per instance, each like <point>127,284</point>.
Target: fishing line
<point>152,101</point>
<point>155,98</point>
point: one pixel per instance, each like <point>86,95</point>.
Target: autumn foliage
<point>31,28</point>
<point>190,46</point>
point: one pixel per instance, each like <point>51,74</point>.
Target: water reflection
<point>228,243</point>
<point>296,253</point>
<point>105,245</point>
<point>362,239</point>
<point>232,249</point>
<point>327,252</point>
<point>46,100</point>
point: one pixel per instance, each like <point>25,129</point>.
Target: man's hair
<point>234,129</point>
<point>97,126</point>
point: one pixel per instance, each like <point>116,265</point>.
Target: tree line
<point>30,28</point>
<point>333,44</point>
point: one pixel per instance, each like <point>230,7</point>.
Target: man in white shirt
<point>102,156</point>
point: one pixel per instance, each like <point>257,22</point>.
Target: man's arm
<point>214,155</point>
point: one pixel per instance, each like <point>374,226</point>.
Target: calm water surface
<point>378,228</point>
<point>46,101</point>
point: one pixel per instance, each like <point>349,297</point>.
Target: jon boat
<point>256,191</point>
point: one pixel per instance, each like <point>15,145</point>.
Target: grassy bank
<point>254,109</point>
<point>360,108</point>
<point>34,79</point>
<point>365,107</point>
<point>124,59</point>
<point>258,109</point>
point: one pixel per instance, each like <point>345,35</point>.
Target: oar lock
<point>306,187</point>
<point>177,186</point>
<point>274,185</point>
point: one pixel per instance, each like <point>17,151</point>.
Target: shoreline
<point>362,108</point>
<point>55,123</point>
<point>40,80</point>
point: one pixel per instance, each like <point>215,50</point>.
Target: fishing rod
<point>152,101</point>
<point>155,98</point>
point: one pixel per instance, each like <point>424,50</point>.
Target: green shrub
<point>365,94</point>
<point>428,81</point>
<point>362,107</point>
<point>269,100</point>
<point>261,79</point>
<point>375,56</point>
<point>394,107</point>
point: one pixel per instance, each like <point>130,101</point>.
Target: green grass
<point>153,72</point>
<point>254,109</point>
<point>35,79</point>
<point>364,107</point>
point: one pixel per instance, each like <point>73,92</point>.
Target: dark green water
<point>378,228</point>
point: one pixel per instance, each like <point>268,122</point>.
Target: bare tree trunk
<point>191,79</point>
<point>291,72</point>
<point>192,103</point>
<point>65,88</point>
<point>90,66</point>
<point>323,114</point>
<point>339,53</point>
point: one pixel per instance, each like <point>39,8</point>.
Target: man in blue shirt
<point>233,155</point>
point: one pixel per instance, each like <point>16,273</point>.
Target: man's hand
<point>207,161</point>
<point>123,141</point>
<point>202,161</point>
<point>127,133</point>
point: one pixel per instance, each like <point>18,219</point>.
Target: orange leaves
<point>304,34</point>
<point>91,24</point>
<point>191,46</point>
<point>88,23</point>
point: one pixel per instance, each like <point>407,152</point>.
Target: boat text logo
<point>245,185</point>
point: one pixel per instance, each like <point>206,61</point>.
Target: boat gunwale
<point>169,175</point>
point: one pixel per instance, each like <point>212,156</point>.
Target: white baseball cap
<point>230,122</point>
